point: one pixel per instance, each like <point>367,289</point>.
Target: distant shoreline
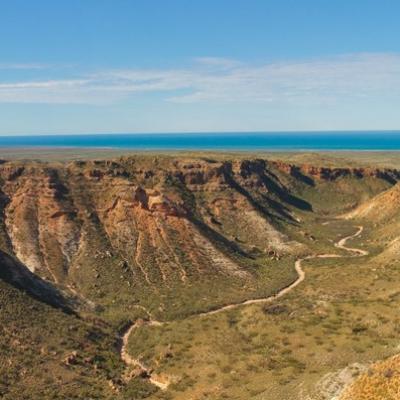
<point>205,133</point>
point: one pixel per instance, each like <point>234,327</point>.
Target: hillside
<point>47,351</point>
<point>380,209</point>
<point>383,213</point>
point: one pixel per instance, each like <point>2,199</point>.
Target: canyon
<point>128,277</point>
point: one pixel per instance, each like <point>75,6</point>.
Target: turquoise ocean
<point>232,141</point>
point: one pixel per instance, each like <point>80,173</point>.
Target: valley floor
<point>214,371</point>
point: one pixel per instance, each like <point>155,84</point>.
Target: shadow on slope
<point>18,275</point>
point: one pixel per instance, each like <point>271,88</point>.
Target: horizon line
<point>311,131</point>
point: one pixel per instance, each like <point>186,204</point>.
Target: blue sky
<point>87,66</point>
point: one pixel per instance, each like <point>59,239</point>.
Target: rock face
<point>41,220</point>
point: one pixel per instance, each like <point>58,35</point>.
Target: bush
<point>138,389</point>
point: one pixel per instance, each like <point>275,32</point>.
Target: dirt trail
<point>164,383</point>
<point>160,382</point>
<point>342,242</point>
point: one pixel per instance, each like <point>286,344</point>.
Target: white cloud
<point>359,76</point>
<point>44,84</point>
<point>17,66</point>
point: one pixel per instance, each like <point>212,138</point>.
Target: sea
<point>217,141</point>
